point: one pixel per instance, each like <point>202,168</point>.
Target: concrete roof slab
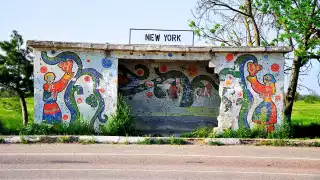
<point>153,48</point>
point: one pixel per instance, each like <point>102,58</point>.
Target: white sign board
<point>165,37</point>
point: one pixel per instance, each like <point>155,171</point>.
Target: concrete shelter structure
<point>169,88</point>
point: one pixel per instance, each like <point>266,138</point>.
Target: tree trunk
<point>249,41</point>
<point>256,31</point>
<point>24,111</point>
<point>289,99</point>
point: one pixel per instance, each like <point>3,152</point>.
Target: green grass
<point>305,114</point>
<point>305,118</point>
<point>10,113</point>
<point>172,141</point>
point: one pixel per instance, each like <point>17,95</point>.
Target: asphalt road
<point>74,161</point>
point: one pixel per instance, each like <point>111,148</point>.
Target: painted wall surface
<point>161,90</point>
<point>251,89</point>
<point>175,95</point>
<point>74,85</point>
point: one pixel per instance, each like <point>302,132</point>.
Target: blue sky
<point>100,21</point>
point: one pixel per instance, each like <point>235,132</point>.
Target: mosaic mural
<point>251,88</point>
<point>169,88</point>
<point>247,91</point>
<point>74,85</point>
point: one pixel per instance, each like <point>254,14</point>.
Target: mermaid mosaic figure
<point>266,111</point>
<point>51,110</point>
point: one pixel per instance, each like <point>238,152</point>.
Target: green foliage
<point>281,132</point>
<point>146,141</point>
<point>258,131</point>
<point>301,130</point>
<point>176,141</point>
<point>192,23</point>
<point>122,122</point>
<point>2,140</point>
<point>215,143</point>
<point>65,139</point>
<point>16,69</point>
<point>299,21</point>
<point>36,129</point>
<point>315,144</point>
<point>2,128</point>
<point>198,133</point>
<point>11,116</point>
<point>76,128</point>
<point>12,105</point>
<point>172,141</point>
<point>312,99</point>
<point>24,140</point>
<point>79,127</point>
<point>87,141</point>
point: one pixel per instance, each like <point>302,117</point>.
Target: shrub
<point>24,140</point>
<point>176,141</point>
<point>215,143</point>
<point>311,99</point>
<point>64,139</point>
<point>315,144</point>
<point>202,132</point>
<point>146,141</point>
<point>227,133</point>
<point>79,127</point>
<point>282,131</point>
<point>36,129</point>
<point>87,141</point>
<point>2,127</point>
<point>122,122</point>
<point>300,130</point>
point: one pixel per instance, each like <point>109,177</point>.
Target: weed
<point>202,132</point>
<point>228,133</point>
<point>279,142</point>
<point>36,129</point>
<point>149,141</point>
<point>282,131</point>
<point>161,141</point>
<point>265,143</point>
<point>215,143</point>
<point>65,139</point>
<point>176,141</point>
<point>122,122</point>
<point>146,141</point>
<point>315,144</point>
<point>2,140</point>
<point>126,142</point>
<point>87,141</point>
<point>24,140</point>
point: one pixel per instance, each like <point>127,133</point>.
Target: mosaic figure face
<point>268,79</point>
<point>49,77</point>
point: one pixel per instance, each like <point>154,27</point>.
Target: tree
<point>299,21</point>
<point>265,22</point>
<point>230,22</point>
<point>16,70</point>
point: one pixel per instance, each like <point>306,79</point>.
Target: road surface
<point>75,161</point>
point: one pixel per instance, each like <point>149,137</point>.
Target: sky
<point>102,21</point>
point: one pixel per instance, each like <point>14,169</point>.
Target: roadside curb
<point>155,140</point>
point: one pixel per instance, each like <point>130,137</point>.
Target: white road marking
<point>169,155</point>
<point>167,170</point>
